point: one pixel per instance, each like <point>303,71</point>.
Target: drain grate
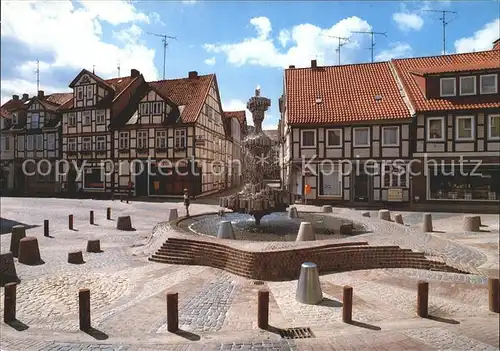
<point>296,333</point>
<point>258,282</point>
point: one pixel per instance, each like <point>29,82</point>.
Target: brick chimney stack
<point>40,94</point>
<point>496,44</point>
<point>193,74</point>
<point>15,97</point>
<point>134,73</point>
<point>26,97</point>
<point>314,64</point>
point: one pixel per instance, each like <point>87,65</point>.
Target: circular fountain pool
<point>273,227</point>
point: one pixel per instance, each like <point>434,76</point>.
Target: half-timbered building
<point>175,140</point>
<point>456,99</point>
<point>345,133</point>
<point>237,127</point>
<point>96,107</point>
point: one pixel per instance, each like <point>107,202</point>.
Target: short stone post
<point>494,294</point>
<point>124,223</point>
<point>398,218</point>
<point>84,309</point>
<point>471,223</point>
<point>108,213</point>
<point>29,252</point>
<point>9,304</point>
<point>327,209</point>
<point>384,215</point>
<point>121,197</point>
<point>225,230</point>
<point>427,223</point>
<point>263,309</point>
<point>7,269</point>
<point>18,233</point>
<point>347,304</point>
<point>306,232</point>
<point>46,227</point>
<point>309,286</point>
<point>366,214</point>
<point>173,214</point>
<point>292,212</point>
<point>91,218</point>
<point>172,312</point>
<point>75,257</point>
<point>70,222</point>
<point>423,299</point>
<point>94,246</point>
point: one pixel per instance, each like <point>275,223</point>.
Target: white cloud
<point>284,37</point>
<point>237,105</point>
<point>210,61</point>
<point>267,126</point>
<point>21,86</point>
<point>71,34</point>
<point>407,21</point>
<point>481,40</point>
<point>307,42</point>
<point>395,50</point>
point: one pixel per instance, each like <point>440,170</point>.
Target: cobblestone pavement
<point>218,309</point>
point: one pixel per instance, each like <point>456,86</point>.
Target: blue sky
<point>245,43</point>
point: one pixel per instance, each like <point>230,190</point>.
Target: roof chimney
<point>496,44</point>
<point>134,73</point>
<point>193,74</point>
<point>26,97</point>
<point>15,97</point>
<point>291,66</point>
<point>314,63</point>
<point>40,94</point>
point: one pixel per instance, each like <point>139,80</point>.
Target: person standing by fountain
<point>186,201</point>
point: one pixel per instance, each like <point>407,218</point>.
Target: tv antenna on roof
<point>37,75</point>
<point>165,44</point>
<point>372,34</point>
<point>118,67</point>
<point>340,44</point>
<point>444,23</point>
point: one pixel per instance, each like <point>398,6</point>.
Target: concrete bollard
<point>347,304</point>
<point>398,218</point>
<point>292,212</point>
<point>366,214</point>
<point>7,269</point>
<point>427,223</point>
<point>423,299</point>
<point>46,227</point>
<point>263,309</point>
<point>75,257</point>
<point>9,312</point>
<point>91,218</point>
<point>494,295</point>
<point>121,197</point>
<point>306,232</point>
<point>108,213</point>
<point>225,230</point>
<point>124,223</point>
<point>173,214</point>
<point>84,309</point>
<point>70,222</point>
<point>18,233</point>
<point>327,209</point>
<point>94,246</point>
<point>172,312</point>
<point>308,285</point>
<point>29,252</point>
<point>384,215</point>
<point>471,223</point>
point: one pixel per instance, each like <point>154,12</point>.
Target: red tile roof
<point>348,94</point>
<point>485,60</point>
<point>188,92</point>
<point>239,115</point>
<point>58,98</point>
<point>462,67</point>
<point>10,106</point>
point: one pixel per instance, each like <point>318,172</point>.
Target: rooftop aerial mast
<point>372,34</point>
<point>165,44</point>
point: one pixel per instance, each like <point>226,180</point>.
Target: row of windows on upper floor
<point>488,84</point>
<point>464,131</point>
<point>32,142</point>
<point>100,118</point>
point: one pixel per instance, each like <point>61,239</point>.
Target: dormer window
<point>79,93</point>
<point>15,119</point>
<point>157,110</point>
<point>468,85</point>
<point>144,109</point>
<point>448,87</point>
<point>488,84</point>
<point>90,91</point>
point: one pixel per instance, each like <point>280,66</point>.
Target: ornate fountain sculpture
<point>256,198</point>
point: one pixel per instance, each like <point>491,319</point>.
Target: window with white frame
<point>20,143</point>
<point>448,86</point>
<point>15,119</point>
<point>330,180</point>
<point>144,109</point>
<point>334,137</point>
<point>123,140</point>
<point>390,136</point>
<point>394,175</point>
<point>157,108</point>
<point>39,142</point>
<point>308,138</point>
<point>468,85</point>
<point>435,128</point>
<point>51,141</point>
<point>488,84</point>
<point>161,139</point>
<point>86,120</point>
<point>90,91</point>
<point>79,93</point>
<point>71,119</point>
<point>101,143</point>
<point>100,117</point>
<point>29,142</point>
<point>71,144</point>
<point>180,138</point>
<point>87,144</point>
<point>7,143</point>
<point>494,127</point>
<point>362,137</point>
<point>35,121</point>
<point>142,139</point>
<point>465,128</point>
